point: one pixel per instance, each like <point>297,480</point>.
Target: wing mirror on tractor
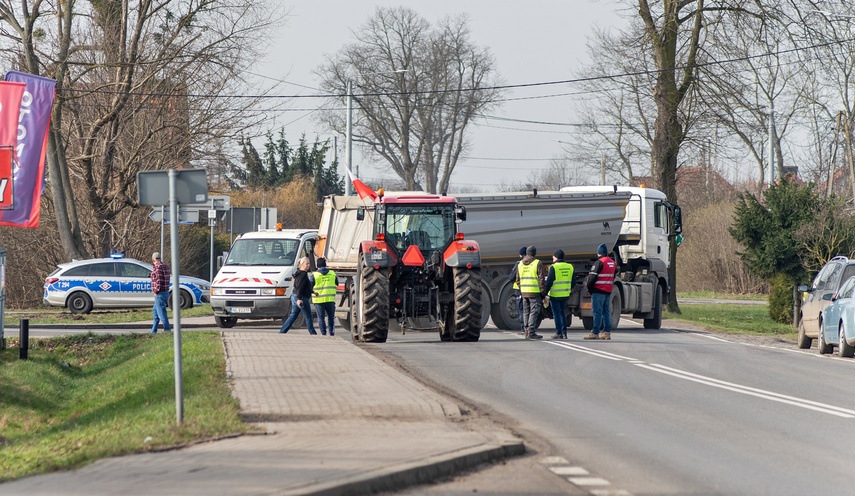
<point>360,213</point>
<point>461,213</point>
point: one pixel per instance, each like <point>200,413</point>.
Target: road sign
<point>191,187</point>
<point>185,215</point>
<point>221,202</point>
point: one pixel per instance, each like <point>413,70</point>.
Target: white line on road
<point>759,393</point>
<point>709,381</point>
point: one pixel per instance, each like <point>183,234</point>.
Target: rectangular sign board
<point>185,215</point>
<point>191,187</point>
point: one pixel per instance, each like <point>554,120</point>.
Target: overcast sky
<point>533,41</point>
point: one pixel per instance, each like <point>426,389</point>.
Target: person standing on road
<point>512,278</point>
<point>301,298</point>
<point>530,275</point>
<point>559,282</point>
<point>600,283</point>
<point>323,296</point>
<point>160,276</point>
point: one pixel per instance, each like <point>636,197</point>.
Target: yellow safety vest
<point>563,282</point>
<point>528,277</point>
<point>325,286</point>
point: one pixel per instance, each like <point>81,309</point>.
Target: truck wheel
<point>79,302</point>
<point>373,304</point>
<point>588,323</point>
<point>504,313</point>
<point>804,340</point>
<point>656,321</point>
<point>462,319</point>
<point>225,322</point>
<point>615,308</point>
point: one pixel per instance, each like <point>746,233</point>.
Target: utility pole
<point>772,140</point>
<point>348,147</point>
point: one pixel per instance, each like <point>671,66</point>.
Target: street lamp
<point>348,152</point>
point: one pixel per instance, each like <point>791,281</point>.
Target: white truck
<point>635,223</point>
<point>257,275</point>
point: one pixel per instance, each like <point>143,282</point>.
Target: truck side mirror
<point>678,220</point>
<point>360,213</point>
<point>461,212</point>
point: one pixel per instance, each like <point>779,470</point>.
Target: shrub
<point>781,298</point>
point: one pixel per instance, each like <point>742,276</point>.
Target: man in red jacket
<point>600,284</point>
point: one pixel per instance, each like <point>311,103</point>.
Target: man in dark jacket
<point>530,276</point>
<point>301,298</point>
<point>600,284</point>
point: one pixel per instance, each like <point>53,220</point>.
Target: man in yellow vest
<point>326,284</point>
<point>559,283</point>
<point>530,275</point>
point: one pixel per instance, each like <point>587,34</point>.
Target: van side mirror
<point>360,213</point>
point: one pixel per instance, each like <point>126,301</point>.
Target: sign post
<point>181,187</point>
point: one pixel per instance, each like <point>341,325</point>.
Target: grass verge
<point>49,315</point>
<point>731,318</point>
<point>81,398</point>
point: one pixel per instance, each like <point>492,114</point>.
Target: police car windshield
<point>266,252</point>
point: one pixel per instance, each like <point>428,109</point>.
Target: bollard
<point>24,335</point>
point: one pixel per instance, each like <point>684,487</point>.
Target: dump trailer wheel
<point>462,320</point>
<point>504,313</point>
<point>373,304</point>
<point>656,321</point>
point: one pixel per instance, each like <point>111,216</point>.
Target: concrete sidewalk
<point>338,421</point>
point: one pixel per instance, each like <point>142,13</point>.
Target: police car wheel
<point>79,303</point>
<point>186,301</point>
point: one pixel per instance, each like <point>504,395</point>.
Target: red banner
<point>10,108</point>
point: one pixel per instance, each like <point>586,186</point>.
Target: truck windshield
<point>430,227</point>
<point>263,252</point>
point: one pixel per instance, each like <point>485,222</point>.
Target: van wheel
<point>225,322</point>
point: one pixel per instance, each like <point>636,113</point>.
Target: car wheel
<point>824,348</point>
<point>804,340</point>
<point>844,349</point>
<point>185,301</point>
<point>79,303</point>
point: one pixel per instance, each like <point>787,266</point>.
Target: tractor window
<point>428,227</point>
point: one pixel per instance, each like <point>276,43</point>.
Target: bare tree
<point>417,88</point>
<point>142,84</point>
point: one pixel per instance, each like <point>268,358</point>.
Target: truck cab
<point>257,275</point>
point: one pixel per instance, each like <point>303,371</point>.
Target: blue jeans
<point>602,313</point>
<point>559,314</point>
<point>295,311</point>
<point>158,312</point>
<point>326,317</point>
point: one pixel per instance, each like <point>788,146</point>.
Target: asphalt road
<point>652,412</point>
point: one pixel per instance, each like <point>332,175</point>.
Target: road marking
<point>589,481</point>
<point>569,471</point>
<point>590,351</point>
<point>759,393</point>
<point>709,381</point>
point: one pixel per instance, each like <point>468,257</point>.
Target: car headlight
<point>268,291</point>
<point>217,291</point>
<point>204,287</point>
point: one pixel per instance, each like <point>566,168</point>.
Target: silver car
<point>818,296</point>
<point>113,283</point>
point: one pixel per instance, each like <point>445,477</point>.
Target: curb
<point>411,474</point>
<point>83,327</point>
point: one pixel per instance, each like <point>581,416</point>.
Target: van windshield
<point>263,252</point>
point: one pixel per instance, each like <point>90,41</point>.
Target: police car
<point>113,283</point>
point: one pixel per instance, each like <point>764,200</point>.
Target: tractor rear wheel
<point>462,318</point>
<point>372,305</point>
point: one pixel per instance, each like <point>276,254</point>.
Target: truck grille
<point>241,292</point>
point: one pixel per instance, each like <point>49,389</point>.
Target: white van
<point>257,274</point>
